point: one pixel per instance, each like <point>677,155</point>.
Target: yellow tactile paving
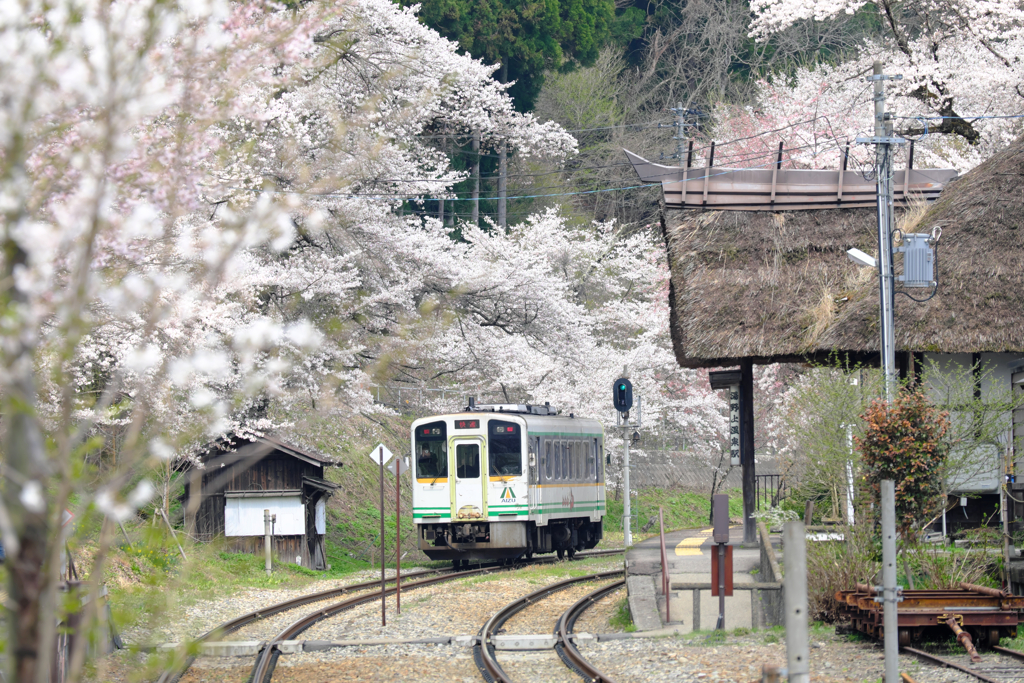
<point>691,546</point>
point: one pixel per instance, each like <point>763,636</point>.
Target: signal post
<point>622,400</point>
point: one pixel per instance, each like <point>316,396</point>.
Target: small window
<point>592,456</point>
<point>431,451</point>
<point>505,449</point>
<point>467,461</point>
<point>574,450</point>
<point>563,454</point>
<point>548,459</point>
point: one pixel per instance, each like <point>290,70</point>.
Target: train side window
<point>581,461</point>
<point>576,460</point>
<point>592,459</point>
<point>548,459</point>
<point>561,465</point>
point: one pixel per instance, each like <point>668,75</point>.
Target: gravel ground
<point>198,618</point>
<point>462,607</point>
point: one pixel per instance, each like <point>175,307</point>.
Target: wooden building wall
<point>275,472</point>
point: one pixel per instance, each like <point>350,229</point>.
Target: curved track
<point>484,653</point>
<point>1001,665</point>
<point>268,656</point>
<point>567,649</point>
<point>173,673</point>
<point>266,661</point>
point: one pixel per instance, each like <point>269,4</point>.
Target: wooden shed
<point>237,478</point>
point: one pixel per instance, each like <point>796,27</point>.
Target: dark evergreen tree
<point>526,37</point>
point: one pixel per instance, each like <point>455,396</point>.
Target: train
<point>500,482</point>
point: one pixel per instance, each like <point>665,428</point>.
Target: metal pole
<point>883,165</point>
<point>665,583</point>
<point>795,597</point>
<point>889,617</point>
<point>266,540</point>
<point>626,511</point>
<point>383,611</point>
<point>476,181</point>
<point>721,587</point>
<point>680,130</point>
<point>502,184</point>
<point>398,535</point>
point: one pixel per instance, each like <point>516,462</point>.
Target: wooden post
<point>266,540</point>
<point>171,528</point>
<point>795,595</point>
<point>808,512</point>
<point>747,450</point>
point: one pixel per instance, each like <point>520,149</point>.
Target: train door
<point>467,479</point>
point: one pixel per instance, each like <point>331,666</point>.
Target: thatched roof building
<point>779,287</point>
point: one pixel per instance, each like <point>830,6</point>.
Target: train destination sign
<point>467,424</point>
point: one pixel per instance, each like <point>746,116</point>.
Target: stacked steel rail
<point>484,651</point>
<point>970,612</point>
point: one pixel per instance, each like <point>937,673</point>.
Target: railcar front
<point>480,492</point>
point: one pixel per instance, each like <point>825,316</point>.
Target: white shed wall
<point>244,516</point>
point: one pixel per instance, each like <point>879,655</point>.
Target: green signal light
<point>622,387</point>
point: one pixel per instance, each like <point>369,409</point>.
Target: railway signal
<point>622,395</point>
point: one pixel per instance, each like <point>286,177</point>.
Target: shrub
<point>902,442</point>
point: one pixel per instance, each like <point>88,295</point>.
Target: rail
<point>266,661</point>
<point>484,651</point>
<point>175,671</point>
<point>567,648</point>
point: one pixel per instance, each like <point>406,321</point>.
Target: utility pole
<point>502,184</point>
<point>476,177</point>
<point>440,200</point>
<point>883,140</point>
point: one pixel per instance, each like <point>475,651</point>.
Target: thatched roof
<point>780,287</point>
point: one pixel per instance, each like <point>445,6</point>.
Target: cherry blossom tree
<point>960,61</point>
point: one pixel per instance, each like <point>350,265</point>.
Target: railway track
<point>267,658</point>
<point>998,665</point>
<point>172,674</point>
<point>566,648</point>
<point>484,652</point>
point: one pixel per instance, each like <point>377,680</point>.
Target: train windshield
<point>505,449</point>
<point>432,451</point>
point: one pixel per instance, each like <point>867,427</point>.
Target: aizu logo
<point>569,501</point>
<point>508,495</point>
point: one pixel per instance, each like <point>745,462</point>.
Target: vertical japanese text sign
<point>734,424</point>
